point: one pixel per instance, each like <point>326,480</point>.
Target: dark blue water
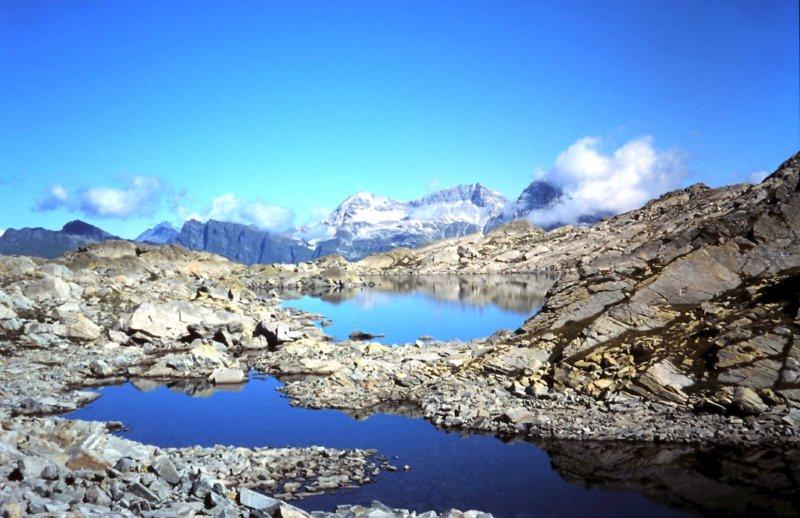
<point>452,307</point>
<point>447,470</point>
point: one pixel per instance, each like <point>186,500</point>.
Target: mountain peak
<point>476,193</point>
<point>538,195</point>
<point>160,234</point>
<point>78,227</point>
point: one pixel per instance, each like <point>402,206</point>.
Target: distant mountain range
<point>361,225</point>
<point>45,243</point>
<point>161,234</point>
<point>365,224</point>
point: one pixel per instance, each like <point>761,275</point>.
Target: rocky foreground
<point>119,311</point>
<point>678,322</point>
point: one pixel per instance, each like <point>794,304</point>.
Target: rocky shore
<point>118,311</point>
<point>675,323</point>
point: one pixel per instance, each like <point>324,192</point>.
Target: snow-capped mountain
<point>533,204</point>
<point>538,195</point>
<point>162,233</point>
<point>366,223</point>
<point>361,225</point>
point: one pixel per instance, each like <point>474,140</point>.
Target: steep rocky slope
<point>161,234</point>
<point>242,243</point>
<point>691,299</point>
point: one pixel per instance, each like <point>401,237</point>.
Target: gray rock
<point>52,290</point>
<point>224,376</point>
<point>257,501</point>
<point>165,469</point>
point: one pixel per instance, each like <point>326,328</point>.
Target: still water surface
<point>447,470</point>
<point>443,307</point>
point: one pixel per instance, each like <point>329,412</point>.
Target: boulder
<point>257,501</point>
<point>276,332</point>
<point>200,361</point>
<point>361,335</point>
<point>164,468</point>
<point>664,381</point>
<point>79,327</point>
<point>6,312</point>
<point>171,319</point>
<point>758,375</point>
<point>747,401</point>
<point>49,290</point>
<point>223,376</point>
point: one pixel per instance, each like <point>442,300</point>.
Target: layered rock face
<point>691,300</point>
<point>242,243</point>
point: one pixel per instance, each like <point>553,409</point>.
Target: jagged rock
<point>362,336</point>
<point>276,332</point>
<point>168,320</point>
<point>747,401</point>
<point>165,469</point>
<point>200,361</point>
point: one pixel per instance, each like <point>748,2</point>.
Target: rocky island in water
<point>668,342</point>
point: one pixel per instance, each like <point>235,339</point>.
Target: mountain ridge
<point>362,224</point>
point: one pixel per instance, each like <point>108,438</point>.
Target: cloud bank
<point>594,183</point>
<point>261,215</point>
<point>139,196</point>
<point>757,176</point>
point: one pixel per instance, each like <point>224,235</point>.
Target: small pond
<point>448,470</point>
<point>443,307</point>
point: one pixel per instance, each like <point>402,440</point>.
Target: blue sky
<point>128,113</point>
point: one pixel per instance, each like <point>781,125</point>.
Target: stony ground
<point>678,322</point>
<point>118,311</point>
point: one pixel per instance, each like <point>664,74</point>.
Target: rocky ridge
<point>678,321</point>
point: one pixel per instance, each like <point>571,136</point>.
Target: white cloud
<point>140,196</point>
<point>758,176</point>
<point>56,197</point>
<point>229,207</point>
<point>2,231</point>
<point>595,183</point>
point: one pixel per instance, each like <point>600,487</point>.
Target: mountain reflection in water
<point>445,307</point>
<point>517,478</point>
<point>706,479</point>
